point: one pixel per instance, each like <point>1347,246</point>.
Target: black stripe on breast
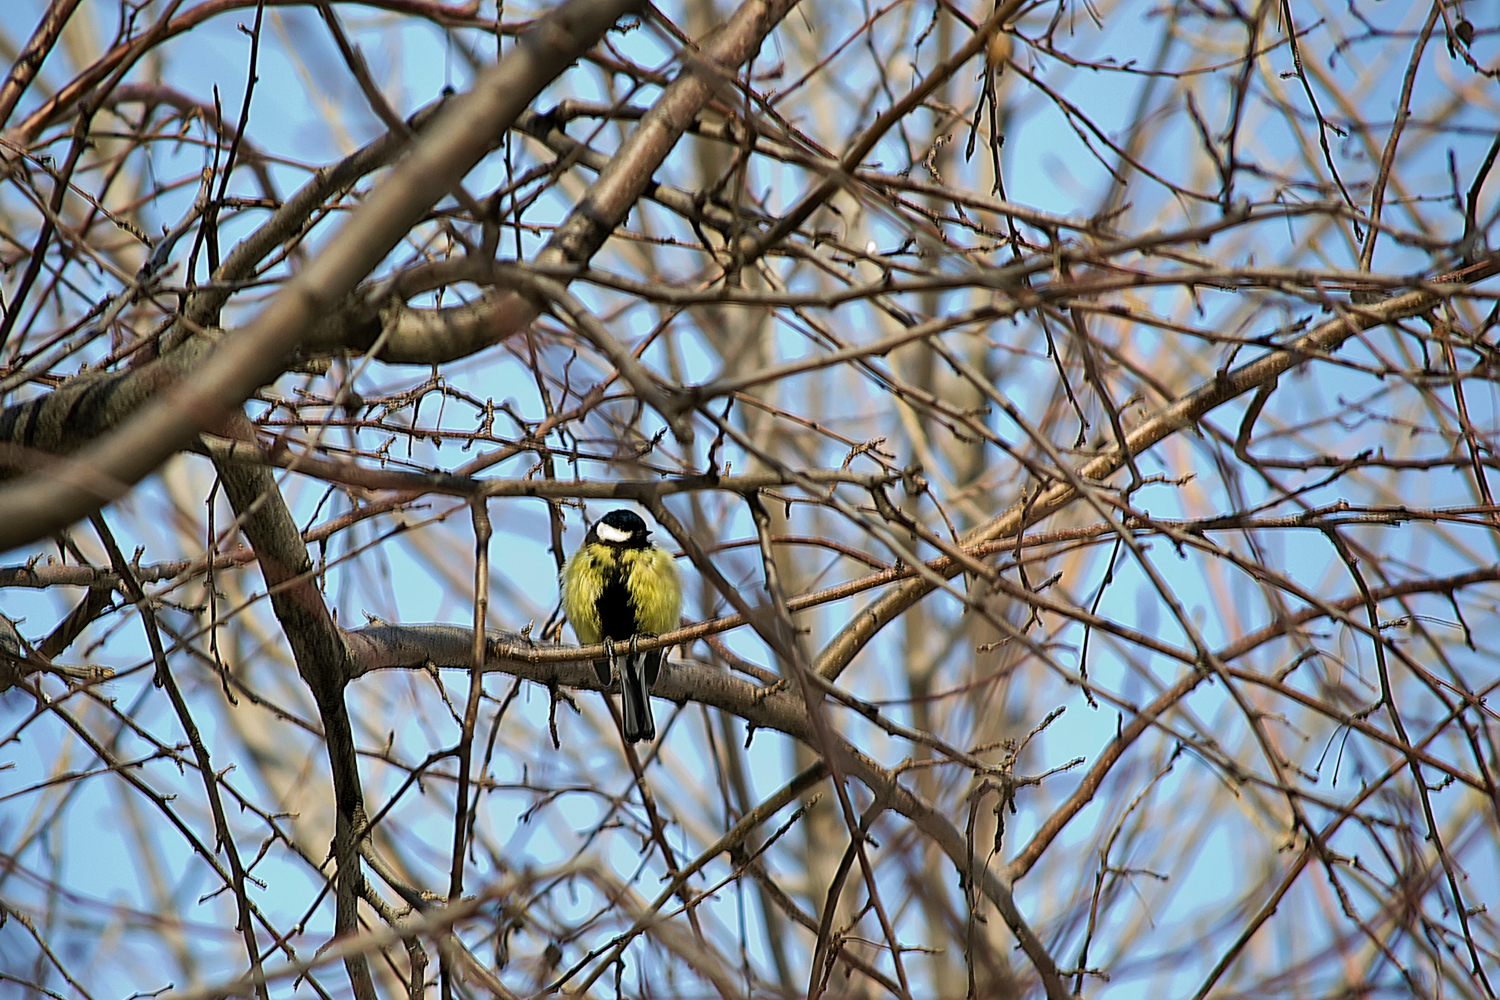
<point>616,610</point>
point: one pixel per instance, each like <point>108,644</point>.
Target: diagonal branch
<point>1182,413</point>
<point>463,132</point>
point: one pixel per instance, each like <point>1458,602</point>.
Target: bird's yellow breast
<point>583,578</point>
<point>655,589</point>
<point>648,575</point>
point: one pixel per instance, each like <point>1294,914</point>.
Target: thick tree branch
<point>462,133</point>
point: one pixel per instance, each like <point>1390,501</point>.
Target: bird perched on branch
<point>618,587</point>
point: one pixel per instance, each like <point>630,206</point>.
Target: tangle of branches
<point>1076,421</point>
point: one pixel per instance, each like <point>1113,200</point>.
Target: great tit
<point>619,587</point>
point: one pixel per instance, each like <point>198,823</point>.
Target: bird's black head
<point>623,528</point>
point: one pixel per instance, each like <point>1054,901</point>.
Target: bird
<point>619,587</point>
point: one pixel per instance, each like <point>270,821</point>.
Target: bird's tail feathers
<point>652,666</point>
<point>635,698</point>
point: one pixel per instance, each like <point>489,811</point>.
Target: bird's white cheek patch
<point>610,533</point>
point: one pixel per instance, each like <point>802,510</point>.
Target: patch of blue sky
<point>122,886</point>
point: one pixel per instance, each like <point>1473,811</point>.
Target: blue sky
<point>301,111</point>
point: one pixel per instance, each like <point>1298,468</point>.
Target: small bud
<point>997,50</point>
